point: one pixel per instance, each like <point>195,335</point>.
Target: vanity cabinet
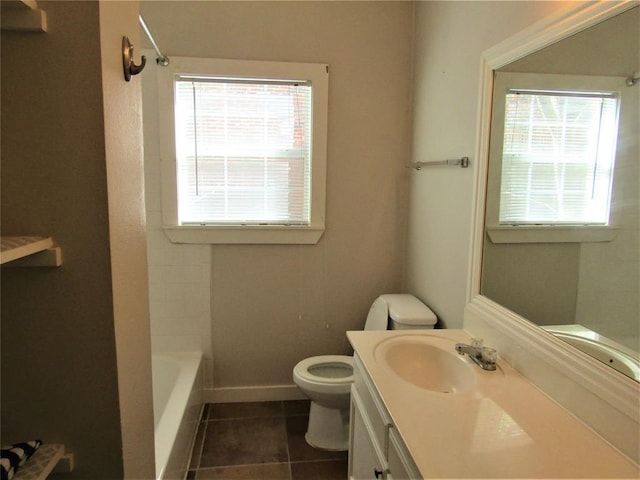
<point>376,450</point>
<point>365,458</point>
<point>501,426</point>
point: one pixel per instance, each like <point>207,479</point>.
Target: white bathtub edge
<point>179,422</point>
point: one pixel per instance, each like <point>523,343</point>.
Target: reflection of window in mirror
<point>552,157</point>
<point>562,277</point>
<point>557,157</point>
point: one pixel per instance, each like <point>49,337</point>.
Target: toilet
<point>326,380</point>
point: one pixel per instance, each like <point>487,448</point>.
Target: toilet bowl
<point>326,379</point>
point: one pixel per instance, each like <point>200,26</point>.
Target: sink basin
<point>427,362</point>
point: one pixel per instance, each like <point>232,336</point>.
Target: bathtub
<point>177,406</point>
<point>599,347</point>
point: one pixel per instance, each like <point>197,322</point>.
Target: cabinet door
<point>401,465</point>
<point>365,462</point>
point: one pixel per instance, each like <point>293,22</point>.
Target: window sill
<point>551,234</point>
<point>248,235</point>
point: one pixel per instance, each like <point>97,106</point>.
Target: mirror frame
<point>521,343</point>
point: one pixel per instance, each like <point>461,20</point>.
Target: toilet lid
<point>378,316</point>
<point>327,369</point>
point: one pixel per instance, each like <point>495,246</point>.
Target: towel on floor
<point>13,457</point>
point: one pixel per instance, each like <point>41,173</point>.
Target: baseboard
<point>258,393</point>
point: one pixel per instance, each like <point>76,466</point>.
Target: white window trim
<point>499,233</point>
<point>551,233</point>
<point>318,74</point>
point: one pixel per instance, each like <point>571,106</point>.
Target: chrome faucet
<point>482,356</point>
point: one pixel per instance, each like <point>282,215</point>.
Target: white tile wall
<point>179,275</point>
<point>608,306</point>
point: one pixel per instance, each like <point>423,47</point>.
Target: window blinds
<point>243,150</point>
<point>558,157</point>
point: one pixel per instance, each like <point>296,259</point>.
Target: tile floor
<point>260,441</point>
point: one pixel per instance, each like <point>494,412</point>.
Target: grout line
<point>286,441</point>
<point>319,460</point>
<point>201,447</point>
<point>241,465</point>
<point>203,423</point>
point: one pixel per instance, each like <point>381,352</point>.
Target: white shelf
<point>23,16</point>
<point>20,4</point>
<point>29,251</point>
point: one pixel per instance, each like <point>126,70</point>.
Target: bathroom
<point>388,228</point>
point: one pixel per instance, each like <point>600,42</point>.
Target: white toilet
<point>327,379</point>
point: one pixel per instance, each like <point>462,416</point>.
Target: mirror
<point>579,283</point>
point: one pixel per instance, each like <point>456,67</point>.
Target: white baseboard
<point>259,393</point>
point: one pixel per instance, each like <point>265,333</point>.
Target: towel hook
<point>128,66</point>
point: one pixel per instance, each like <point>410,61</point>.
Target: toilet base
<point>328,428</point>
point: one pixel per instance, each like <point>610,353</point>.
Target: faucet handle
<point>489,355</point>
<point>477,343</point>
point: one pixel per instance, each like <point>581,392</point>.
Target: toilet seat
<point>311,370</point>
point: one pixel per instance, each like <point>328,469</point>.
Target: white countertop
<point>504,428</point>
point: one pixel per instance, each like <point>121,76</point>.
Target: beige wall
<point>75,339</point>
<point>122,103</point>
<point>539,282</point>
<point>274,305</point>
<point>59,377</point>
<point>450,37</point>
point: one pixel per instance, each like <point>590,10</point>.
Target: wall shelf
<point>47,459</point>
<point>29,251</point>
<point>23,16</point>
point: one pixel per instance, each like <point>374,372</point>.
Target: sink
<point>427,362</point>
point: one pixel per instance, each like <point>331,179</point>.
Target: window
<point>557,157</point>
<point>552,157</point>
<point>244,153</point>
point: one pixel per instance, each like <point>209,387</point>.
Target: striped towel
<point>13,457</point>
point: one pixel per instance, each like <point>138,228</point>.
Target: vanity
<point>550,409</point>
<point>442,416</point>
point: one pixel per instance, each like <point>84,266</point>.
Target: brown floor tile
<point>244,441</point>
<point>244,410</point>
<point>299,449</point>
<point>322,470</point>
<point>270,471</point>
<point>256,441</point>
<point>296,407</point>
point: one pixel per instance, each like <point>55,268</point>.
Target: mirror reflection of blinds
<point>241,80</point>
<point>243,151</point>
<point>558,157</point>
<point>568,93</point>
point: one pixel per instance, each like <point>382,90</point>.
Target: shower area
<point>179,300</point>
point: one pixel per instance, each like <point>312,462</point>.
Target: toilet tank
<point>406,312</point>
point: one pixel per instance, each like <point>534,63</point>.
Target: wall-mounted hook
<point>633,79</point>
<point>128,66</point>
